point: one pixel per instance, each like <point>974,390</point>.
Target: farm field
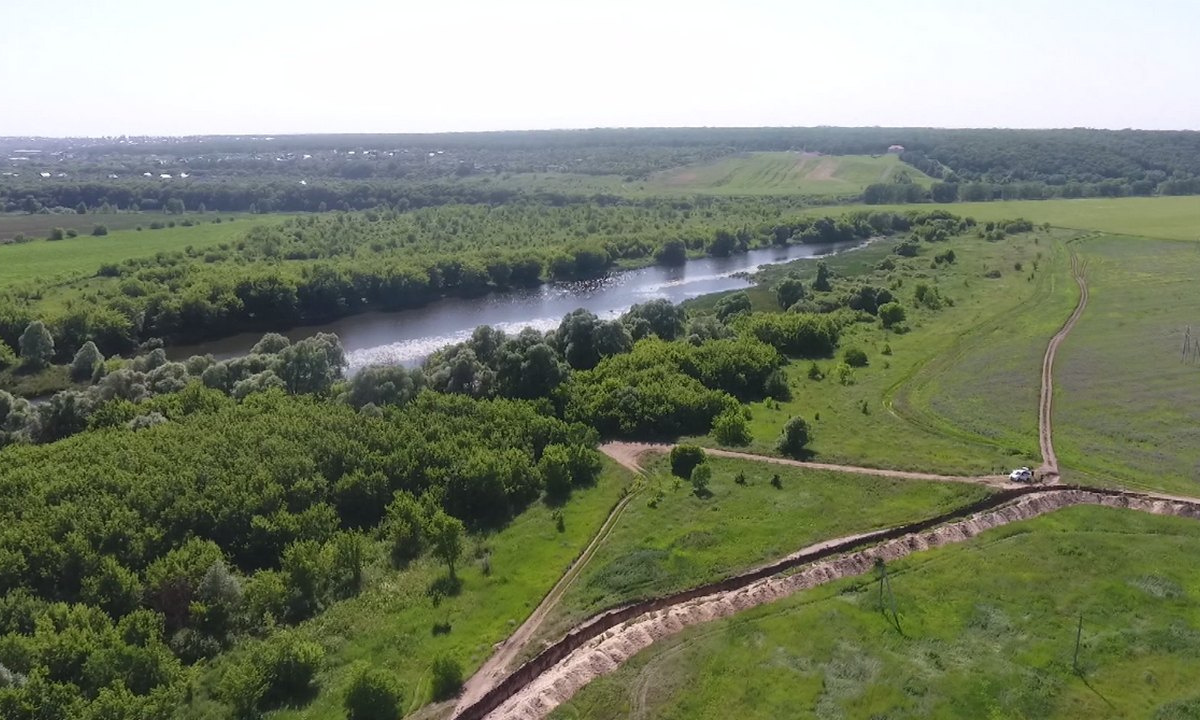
<point>44,259</point>
<point>1172,218</point>
<point>687,540</point>
<point>393,624</point>
<point>785,173</point>
<point>987,630</point>
<point>1127,398</point>
<point>870,420</point>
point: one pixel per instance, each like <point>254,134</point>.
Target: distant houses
<point>897,149</point>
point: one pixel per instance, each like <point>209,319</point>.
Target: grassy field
<point>988,631</point>
<point>1172,218</point>
<point>931,403</point>
<point>784,173</point>
<point>391,624</point>
<point>1127,401</point>
<point>41,260</point>
<point>687,540</point>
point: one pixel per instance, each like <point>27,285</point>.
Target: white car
<point>1021,474</point>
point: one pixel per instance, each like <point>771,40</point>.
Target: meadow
<point>986,630</point>
<point>923,401</point>
<point>684,540</point>
<point>399,624</point>
<point>785,173</point>
<point>1127,396</point>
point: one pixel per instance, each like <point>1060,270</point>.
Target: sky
<point>177,67</point>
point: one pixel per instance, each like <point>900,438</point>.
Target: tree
<point>821,283</point>
<point>174,206</point>
<point>404,527</point>
<point>944,192</point>
<point>8,358</point>
<point>684,458</point>
<point>270,344</point>
<point>445,535</point>
<point>854,357</point>
<point>37,345</point>
<point>736,304</point>
<point>87,361</point>
<point>701,476</point>
<point>731,428</point>
<point>555,470</point>
<point>372,694</point>
<point>447,678</point>
<point>794,437</point>
<point>312,365</point>
<point>672,252</point>
<point>891,314</point>
<point>789,292</point>
<point>99,230</point>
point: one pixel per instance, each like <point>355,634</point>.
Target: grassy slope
<point>1173,218</point>
<point>83,255</point>
<point>783,173</point>
<point>953,410</point>
<point>686,540</point>
<point>390,624</point>
<point>1127,406</point>
<point>988,632</point>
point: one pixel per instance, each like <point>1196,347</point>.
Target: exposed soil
<point>824,169</point>
<point>606,652</point>
<point>1049,469</point>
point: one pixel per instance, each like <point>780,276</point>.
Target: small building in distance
<point>897,149</point>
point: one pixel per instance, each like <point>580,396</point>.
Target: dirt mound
<point>608,650</point>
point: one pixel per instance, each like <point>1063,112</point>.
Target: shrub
<point>447,678</point>
<point>684,458</point>
<point>776,385</point>
<point>794,437</point>
<point>72,233</point>
<point>701,476</point>
<point>891,314</point>
<point>730,428</point>
<point>845,374</point>
<point>814,372</point>
<point>99,231</point>
<point>854,357</point>
<point>372,695</point>
<point>57,234</point>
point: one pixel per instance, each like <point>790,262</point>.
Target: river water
<point>408,336</point>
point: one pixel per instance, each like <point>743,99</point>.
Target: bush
<point>99,231</point>
<point>701,477</point>
<point>57,234</point>
<point>794,437</point>
<point>278,672</point>
<point>730,428</point>
<point>447,678</point>
<point>777,386</point>
<point>684,458</point>
<point>372,695</point>
<point>891,314</point>
<point>72,233</point>
<point>814,372</point>
<point>855,357</point>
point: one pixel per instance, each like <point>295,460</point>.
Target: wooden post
<point>1078,635</point>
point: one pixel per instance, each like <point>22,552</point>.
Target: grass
<point>1127,404</point>
<point>784,173</point>
<point>1172,218</point>
<point>685,540</point>
<point>932,404</point>
<point>988,632</point>
<point>391,624</point>
<point>24,383</point>
<point>44,260</point>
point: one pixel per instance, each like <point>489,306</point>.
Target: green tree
<point>672,252</point>
<point>447,678</point>
<point>731,305</point>
<point>445,538</point>
<point>99,230</point>
<point>8,358</point>
<point>854,357</point>
<point>684,458</point>
<point>87,361</point>
<point>372,694</point>
<point>821,283</point>
<point>789,292</point>
<point>793,438</point>
<point>731,428</point>
<point>174,206</point>
<point>37,345</point>
<point>891,314</point>
<point>404,528</point>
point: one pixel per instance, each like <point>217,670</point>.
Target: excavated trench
<point>602,644</point>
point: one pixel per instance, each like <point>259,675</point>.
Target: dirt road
<point>1049,468</point>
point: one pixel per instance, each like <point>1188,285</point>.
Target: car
<point>1021,474</point>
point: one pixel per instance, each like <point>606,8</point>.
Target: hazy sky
<point>108,67</point>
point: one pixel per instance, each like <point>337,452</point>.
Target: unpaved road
<point>1049,469</point>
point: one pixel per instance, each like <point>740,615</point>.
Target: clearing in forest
<point>785,173</point>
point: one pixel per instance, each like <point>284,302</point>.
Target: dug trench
<point>601,644</point>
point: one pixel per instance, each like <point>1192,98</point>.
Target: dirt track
<point>1049,469</point>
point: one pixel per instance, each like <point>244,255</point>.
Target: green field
<point>784,173</point>
<point>930,404</point>
<point>687,540</point>
<point>1127,400</point>
<point>987,630</point>
<point>391,625</point>
<point>42,260</point>
<point>1172,218</point>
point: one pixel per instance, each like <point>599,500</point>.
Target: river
<point>408,336</point>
